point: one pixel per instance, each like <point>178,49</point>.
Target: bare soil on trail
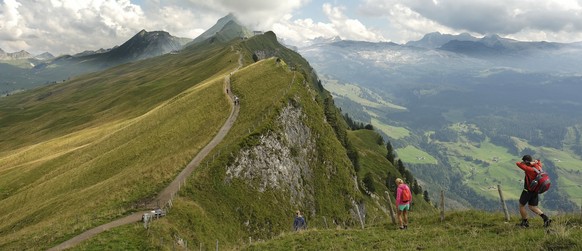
<point>167,194</point>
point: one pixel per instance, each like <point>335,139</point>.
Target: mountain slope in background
<point>45,68</point>
<point>495,46</point>
<point>436,39</point>
<point>457,115</point>
<point>144,45</point>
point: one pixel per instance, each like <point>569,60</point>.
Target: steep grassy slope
<point>373,161</point>
<point>77,154</point>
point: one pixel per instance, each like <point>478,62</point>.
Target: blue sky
<point>71,26</point>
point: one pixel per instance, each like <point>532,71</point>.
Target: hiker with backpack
<point>536,182</point>
<point>403,199</point>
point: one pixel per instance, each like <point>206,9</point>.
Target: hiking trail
<point>167,193</point>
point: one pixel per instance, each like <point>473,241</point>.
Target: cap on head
<point>527,158</point>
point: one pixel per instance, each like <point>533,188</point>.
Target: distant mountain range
<point>45,68</point>
<point>23,55</point>
<point>436,39</point>
<point>487,46</point>
<point>141,46</point>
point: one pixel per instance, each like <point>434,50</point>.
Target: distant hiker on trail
<point>528,165</point>
<point>236,102</point>
<point>403,199</point>
<point>299,222</point>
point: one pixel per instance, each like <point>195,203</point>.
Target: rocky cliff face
<point>280,160</point>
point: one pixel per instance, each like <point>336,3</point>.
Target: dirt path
<point>165,195</point>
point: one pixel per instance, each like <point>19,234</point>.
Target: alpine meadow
<point>217,145</point>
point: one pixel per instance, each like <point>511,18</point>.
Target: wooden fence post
<point>503,203</point>
<point>358,213</point>
<point>442,205</point>
<point>392,217</point>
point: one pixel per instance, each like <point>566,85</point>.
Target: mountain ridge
<point>112,139</point>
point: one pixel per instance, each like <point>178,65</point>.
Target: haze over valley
<point>207,125</point>
<point>470,105</point>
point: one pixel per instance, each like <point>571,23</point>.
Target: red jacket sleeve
<point>530,173</point>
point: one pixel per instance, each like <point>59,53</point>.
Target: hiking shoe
<point>402,227</point>
<point>547,222</point>
<point>523,224</point>
<point>405,226</point>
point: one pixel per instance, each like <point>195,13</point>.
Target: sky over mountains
<point>71,26</point>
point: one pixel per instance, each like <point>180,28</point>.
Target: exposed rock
<point>280,160</point>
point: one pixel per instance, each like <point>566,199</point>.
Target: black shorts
<point>528,197</point>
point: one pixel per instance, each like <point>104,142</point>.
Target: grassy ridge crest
<point>143,131</point>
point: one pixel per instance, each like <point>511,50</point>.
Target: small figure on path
<point>299,222</point>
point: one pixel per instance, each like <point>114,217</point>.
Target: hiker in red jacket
<point>403,199</point>
<point>528,197</point>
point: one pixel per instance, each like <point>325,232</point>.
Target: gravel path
<point>165,195</point>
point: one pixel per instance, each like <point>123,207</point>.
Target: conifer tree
<point>401,167</point>
<point>369,183</point>
<point>416,187</point>
<point>390,154</point>
<point>426,198</point>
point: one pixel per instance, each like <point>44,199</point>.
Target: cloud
<point>9,19</point>
<point>298,31</point>
<point>70,26</point>
<point>349,28</point>
<point>524,19</point>
<point>260,14</point>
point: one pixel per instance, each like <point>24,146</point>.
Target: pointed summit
<point>228,26</point>
<point>145,45</point>
<point>142,33</point>
<point>44,56</point>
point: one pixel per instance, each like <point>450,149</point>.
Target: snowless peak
<point>436,39</point>
<point>44,56</point>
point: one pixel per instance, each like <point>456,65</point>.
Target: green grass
<point>358,95</point>
<point>394,132</point>
<point>413,155</point>
<point>465,230</point>
<point>100,146</point>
